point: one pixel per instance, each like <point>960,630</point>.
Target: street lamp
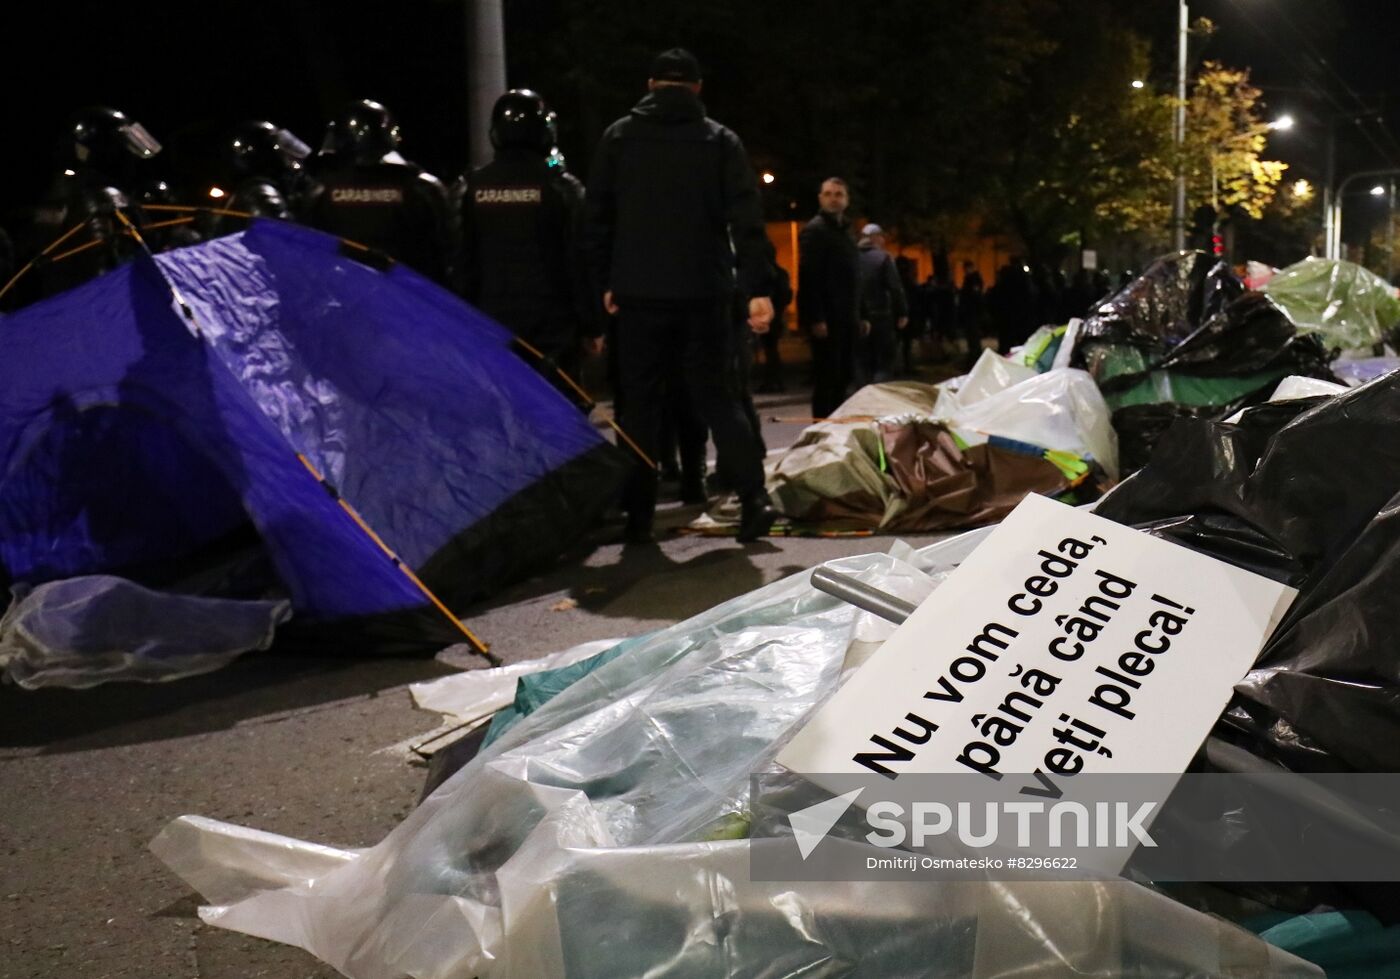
<point>1378,191</point>
<point>1283,123</point>
<point>1138,83</point>
<point>767,177</point>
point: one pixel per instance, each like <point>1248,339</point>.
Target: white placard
<point>1065,643</point>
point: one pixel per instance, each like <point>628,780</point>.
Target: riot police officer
<point>520,216</point>
<point>102,161</point>
<point>266,164</point>
<point>370,194</point>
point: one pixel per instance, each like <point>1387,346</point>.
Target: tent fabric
<point>910,457</point>
<point>80,632</point>
<point>1348,305</point>
<point>137,427</point>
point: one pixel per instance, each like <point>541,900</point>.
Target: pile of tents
<point>1081,404</point>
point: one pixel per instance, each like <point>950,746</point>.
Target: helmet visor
<point>292,149</point>
<point>138,141</point>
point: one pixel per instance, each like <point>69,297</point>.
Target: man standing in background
<point>828,296</point>
<point>673,211</point>
<point>883,305</point>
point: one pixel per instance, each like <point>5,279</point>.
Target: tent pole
<point>472,640</point>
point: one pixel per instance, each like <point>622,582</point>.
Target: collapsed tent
<point>604,835</point>
<point>908,457</point>
<point>359,424</point>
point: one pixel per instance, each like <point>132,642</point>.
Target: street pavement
<point>295,746</point>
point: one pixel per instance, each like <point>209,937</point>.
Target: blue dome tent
<point>393,454</point>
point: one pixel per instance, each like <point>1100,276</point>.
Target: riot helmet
<point>364,132</point>
<point>106,139</point>
<point>258,148</point>
<point>521,118</point>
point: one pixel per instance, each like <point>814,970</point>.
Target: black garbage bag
<point>1309,493</point>
<point>1249,334</point>
<point>1161,307</point>
<point>1140,427</point>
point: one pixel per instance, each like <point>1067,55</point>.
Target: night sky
<point>189,70</point>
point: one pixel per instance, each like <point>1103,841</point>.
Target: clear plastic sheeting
<point>1350,306</point>
<point>473,694</point>
<point>1061,409</point>
<point>84,631</point>
<point>601,837</point>
<point>991,375</point>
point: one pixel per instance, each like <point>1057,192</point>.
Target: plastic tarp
<point>1157,310</point>
<point>475,694</point>
<point>85,631</point>
<point>1348,944</point>
<point>1306,491</point>
<point>991,374</point>
<point>1349,306</point>
<point>909,457</point>
<point>227,369</point>
<point>592,841</point>
<point>1354,372</point>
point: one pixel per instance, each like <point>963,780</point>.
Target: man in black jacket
<point>828,296</point>
<point>673,207</point>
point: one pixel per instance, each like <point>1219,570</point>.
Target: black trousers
<point>833,365</point>
<point>693,348</point>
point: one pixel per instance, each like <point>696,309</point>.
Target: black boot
<point>639,499</point>
<point>638,530</point>
<point>755,518</point>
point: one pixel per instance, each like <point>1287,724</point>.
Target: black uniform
<point>267,164</point>
<point>522,263</point>
<point>390,204</point>
<point>103,166</point>
<point>829,292</point>
<point>672,203</point>
<point>89,199</point>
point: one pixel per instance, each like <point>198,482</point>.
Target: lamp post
<point>486,72</point>
<point>1336,250</point>
<point>1179,129</point>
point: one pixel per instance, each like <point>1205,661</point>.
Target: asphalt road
<point>293,746</point>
